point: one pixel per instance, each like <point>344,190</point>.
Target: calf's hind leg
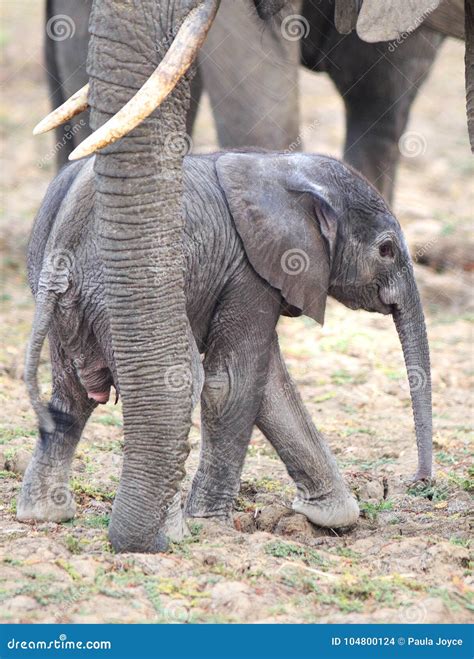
<point>321,492</point>
<point>45,493</point>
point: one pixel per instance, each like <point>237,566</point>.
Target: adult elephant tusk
<point>76,104</point>
<point>159,85</point>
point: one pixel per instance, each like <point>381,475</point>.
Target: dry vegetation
<point>408,559</point>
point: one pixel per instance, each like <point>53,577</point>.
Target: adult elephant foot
<point>337,510</point>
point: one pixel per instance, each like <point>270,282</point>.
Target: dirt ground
<point>408,558</point>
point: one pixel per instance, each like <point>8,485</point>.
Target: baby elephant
<point>266,234</point>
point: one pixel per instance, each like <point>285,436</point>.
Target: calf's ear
<point>286,222</point>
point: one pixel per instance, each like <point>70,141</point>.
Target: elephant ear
<point>383,20</point>
<point>345,15</point>
<point>286,223</point>
<point>268,8</point>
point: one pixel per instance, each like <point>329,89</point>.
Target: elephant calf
<point>266,234</point>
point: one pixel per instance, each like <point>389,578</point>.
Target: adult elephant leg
<point>175,525</point>
<point>321,492</point>
<point>138,202</point>
<point>196,89</point>
<point>45,493</point>
<point>235,369</point>
<point>250,71</point>
<point>378,83</point>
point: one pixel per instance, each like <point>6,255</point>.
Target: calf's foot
<point>336,510</point>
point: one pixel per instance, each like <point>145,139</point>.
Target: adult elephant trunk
<point>138,205</point>
<point>410,323</point>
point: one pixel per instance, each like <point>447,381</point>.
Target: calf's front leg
<point>235,369</point>
<point>322,495</point>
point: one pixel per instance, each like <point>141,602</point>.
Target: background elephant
<point>284,231</point>
<point>250,74</point>
<point>248,68</point>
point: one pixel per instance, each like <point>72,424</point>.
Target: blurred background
<point>350,374</point>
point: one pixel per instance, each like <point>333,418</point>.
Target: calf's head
<point>312,227</point>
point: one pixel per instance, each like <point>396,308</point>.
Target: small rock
<point>232,597</point>
<point>270,516</point>
<point>462,502</point>
<point>18,462</point>
<point>445,553</point>
<point>371,491</point>
<point>244,522</point>
<point>211,528</point>
<point>299,528</point>
<point>84,566</point>
<point>210,559</point>
<point>19,604</point>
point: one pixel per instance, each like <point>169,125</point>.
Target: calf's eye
<point>386,249</point>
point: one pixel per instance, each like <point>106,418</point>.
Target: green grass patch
<point>310,557</point>
<point>99,493</point>
<point>109,420</point>
<point>7,434</point>
<point>8,474</point>
<point>342,376</point>
<point>466,482</point>
<point>445,458</point>
<point>73,544</point>
<point>431,491</point>
<point>358,431</point>
<point>371,510</point>
<point>324,397</point>
<point>460,542</point>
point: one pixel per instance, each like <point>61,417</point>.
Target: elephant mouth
<point>372,301</point>
<point>383,307</point>
<point>386,301</point>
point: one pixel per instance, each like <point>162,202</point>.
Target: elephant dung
<point>299,528</point>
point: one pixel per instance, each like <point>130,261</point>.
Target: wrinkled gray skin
<point>265,234</point>
<point>251,74</point>
<point>138,211</point>
<point>249,70</point>
<point>378,83</point>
